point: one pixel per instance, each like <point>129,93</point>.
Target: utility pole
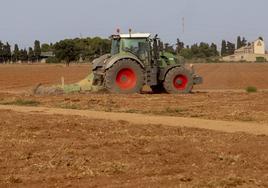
<point>183,25</point>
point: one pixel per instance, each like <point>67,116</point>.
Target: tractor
<point>135,60</point>
<point>138,59</point>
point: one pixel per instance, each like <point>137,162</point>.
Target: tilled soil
<point>217,76</point>
<point>73,151</point>
<point>18,78</point>
<point>233,75</point>
<point>231,106</point>
<point>66,151</point>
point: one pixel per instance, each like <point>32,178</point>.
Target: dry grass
<point>21,102</point>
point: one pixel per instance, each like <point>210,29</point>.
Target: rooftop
<point>135,35</point>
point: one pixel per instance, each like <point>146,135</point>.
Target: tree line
<point>86,49</point>
<point>65,50</point>
<point>81,49</point>
<point>201,50</point>
<point>205,50</point>
<point>17,54</point>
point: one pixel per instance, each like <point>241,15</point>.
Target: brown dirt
<point>216,76</point>
<point>66,151</point>
<point>231,106</point>
<point>233,75</point>
<point>14,78</point>
<point>47,150</point>
<point>141,119</point>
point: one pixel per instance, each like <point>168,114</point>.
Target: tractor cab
<point>145,48</point>
<point>137,44</point>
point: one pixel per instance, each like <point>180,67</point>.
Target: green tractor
<point>137,60</point>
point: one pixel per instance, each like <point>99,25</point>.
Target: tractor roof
<point>135,35</point>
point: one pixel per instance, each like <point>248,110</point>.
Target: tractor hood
<point>171,58</point>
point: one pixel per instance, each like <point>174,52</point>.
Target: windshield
<point>115,46</point>
<point>138,47</point>
<point>133,45</point>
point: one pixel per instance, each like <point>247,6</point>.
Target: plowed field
<point>216,76</point>
<point>215,137</point>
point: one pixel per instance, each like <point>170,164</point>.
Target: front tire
<point>124,77</point>
<point>178,80</point>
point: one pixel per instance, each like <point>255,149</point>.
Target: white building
<point>253,52</point>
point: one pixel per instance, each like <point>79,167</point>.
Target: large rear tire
<point>124,77</point>
<point>178,80</point>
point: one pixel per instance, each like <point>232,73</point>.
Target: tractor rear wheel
<point>124,77</point>
<point>178,80</point>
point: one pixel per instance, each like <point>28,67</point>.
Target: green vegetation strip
<point>21,102</point>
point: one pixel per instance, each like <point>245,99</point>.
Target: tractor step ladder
<point>151,76</point>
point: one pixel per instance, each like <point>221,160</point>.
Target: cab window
<point>138,47</point>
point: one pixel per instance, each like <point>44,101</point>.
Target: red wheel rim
<point>126,79</point>
<point>180,82</point>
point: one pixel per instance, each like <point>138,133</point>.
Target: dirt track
<point>140,119</point>
<point>73,151</point>
<point>229,106</point>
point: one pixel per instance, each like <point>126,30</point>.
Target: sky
<point>23,21</point>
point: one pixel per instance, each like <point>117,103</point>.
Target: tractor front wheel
<point>124,77</point>
<point>178,80</point>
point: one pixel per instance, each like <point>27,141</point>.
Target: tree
<point>37,50</point>
<point>179,46</point>
<point>205,50</point>
<point>46,47</point>
<point>239,42</point>
<point>214,50</point>
<point>67,51</point>
<point>223,48</point>
<point>1,52</point>
<point>230,48</point>
<point>23,55</point>
<point>31,56</point>
<point>186,53</point>
<point>195,49</point>
<point>16,53</point>
<point>243,42</point>
<point>169,48</point>
<point>7,52</point>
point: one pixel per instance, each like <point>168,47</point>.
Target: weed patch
<point>21,102</point>
<point>251,89</point>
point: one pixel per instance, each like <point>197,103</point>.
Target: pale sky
<point>23,21</point>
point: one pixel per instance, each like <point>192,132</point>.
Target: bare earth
<point>216,76</point>
<point>66,151</point>
<point>216,137</point>
<point>224,126</point>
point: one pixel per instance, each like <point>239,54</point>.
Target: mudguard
<point>118,57</point>
<point>164,71</point>
<point>99,62</point>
